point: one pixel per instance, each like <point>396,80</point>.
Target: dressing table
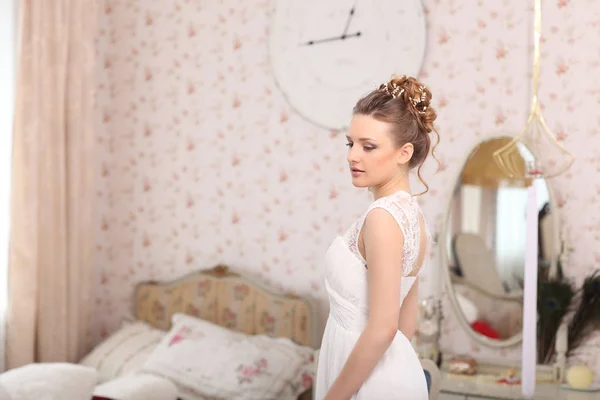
<point>482,260</point>
<point>483,385</point>
<point>461,389</point>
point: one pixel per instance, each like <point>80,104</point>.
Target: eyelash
<point>366,148</point>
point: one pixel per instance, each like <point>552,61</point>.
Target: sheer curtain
<point>52,184</point>
<point>7,95</point>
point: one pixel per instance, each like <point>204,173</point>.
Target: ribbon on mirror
<point>529,344</point>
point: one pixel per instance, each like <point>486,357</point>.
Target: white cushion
<point>138,387</point>
<point>468,308</point>
<point>49,381</point>
<point>123,352</point>
<point>207,360</point>
<point>4,395</point>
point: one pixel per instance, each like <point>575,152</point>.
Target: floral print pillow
<point>209,361</point>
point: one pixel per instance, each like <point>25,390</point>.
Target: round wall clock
<point>325,55</point>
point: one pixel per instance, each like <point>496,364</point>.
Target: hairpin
<point>422,100</point>
<point>395,92</point>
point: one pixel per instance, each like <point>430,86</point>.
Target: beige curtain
<point>52,227</point>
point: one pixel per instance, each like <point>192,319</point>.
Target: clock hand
<point>331,39</point>
<point>351,14</point>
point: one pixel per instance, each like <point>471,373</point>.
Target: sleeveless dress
<point>399,374</point>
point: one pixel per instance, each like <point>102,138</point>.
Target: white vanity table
<point>483,385</point>
<point>452,388</point>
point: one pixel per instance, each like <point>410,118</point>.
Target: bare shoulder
<point>381,227</point>
<point>383,243</point>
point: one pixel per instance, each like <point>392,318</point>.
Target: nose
<point>353,155</point>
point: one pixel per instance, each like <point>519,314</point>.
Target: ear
<point>405,153</point>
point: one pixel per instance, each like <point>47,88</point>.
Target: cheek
<point>384,160</point>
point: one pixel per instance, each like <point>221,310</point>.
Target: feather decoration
<point>553,303</point>
<point>586,317</point>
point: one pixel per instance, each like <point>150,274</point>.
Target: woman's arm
<point>383,243</point>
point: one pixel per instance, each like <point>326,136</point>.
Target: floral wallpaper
<point>202,161</point>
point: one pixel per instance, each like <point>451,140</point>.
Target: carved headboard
<point>228,299</point>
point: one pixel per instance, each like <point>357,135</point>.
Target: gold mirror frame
<point>464,324</point>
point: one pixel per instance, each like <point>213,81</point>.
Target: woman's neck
<point>391,187</point>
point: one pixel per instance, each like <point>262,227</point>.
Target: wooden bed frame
<point>231,300</point>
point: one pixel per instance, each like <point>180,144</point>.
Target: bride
<point>371,272</point>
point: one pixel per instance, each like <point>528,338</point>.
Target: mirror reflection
<point>486,240</point>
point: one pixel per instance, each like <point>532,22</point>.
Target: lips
<point>356,172</point>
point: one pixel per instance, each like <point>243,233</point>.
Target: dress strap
<point>404,209</point>
<point>392,205</point>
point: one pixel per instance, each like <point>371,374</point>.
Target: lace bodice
<point>406,211</point>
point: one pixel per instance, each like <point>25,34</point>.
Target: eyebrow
<point>363,139</point>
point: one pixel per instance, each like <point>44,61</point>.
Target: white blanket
<point>48,381</point>
<point>138,387</point>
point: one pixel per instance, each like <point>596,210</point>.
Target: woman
<point>371,272</point>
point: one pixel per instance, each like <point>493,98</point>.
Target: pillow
<point>124,351</point>
<point>49,381</point>
<point>207,360</point>
<point>483,328</point>
<point>4,395</point>
<point>137,387</point>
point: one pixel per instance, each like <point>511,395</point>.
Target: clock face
<point>325,55</point>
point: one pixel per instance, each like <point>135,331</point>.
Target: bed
<point>211,334</point>
<point>228,299</point>
<point>231,300</point>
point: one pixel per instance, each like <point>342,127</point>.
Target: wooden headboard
<point>228,299</point>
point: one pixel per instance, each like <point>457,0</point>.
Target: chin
<point>359,184</point>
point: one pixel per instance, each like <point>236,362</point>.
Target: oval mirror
<point>483,245</point>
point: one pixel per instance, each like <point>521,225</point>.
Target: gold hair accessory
<point>422,100</point>
<point>395,92</point>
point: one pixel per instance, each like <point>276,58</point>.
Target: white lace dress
<point>399,374</point>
